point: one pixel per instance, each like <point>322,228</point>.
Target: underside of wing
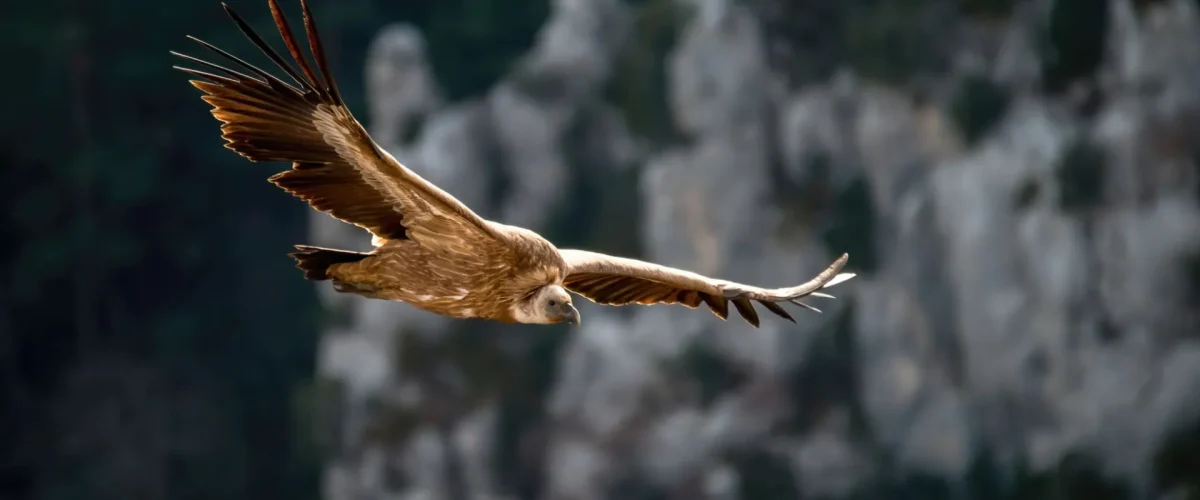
<point>617,281</point>
<point>336,167</point>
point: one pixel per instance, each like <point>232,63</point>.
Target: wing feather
<point>336,167</point>
<point>610,280</point>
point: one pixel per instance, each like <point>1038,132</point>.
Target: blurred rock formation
<point>1027,235</point>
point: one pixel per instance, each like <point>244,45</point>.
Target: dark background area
<point>148,312</point>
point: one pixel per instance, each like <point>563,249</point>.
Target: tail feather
<point>315,261</point>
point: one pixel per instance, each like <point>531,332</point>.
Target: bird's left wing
<point>336,167</point>
<point>618,281</point>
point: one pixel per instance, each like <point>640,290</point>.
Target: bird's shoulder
<point>532,255</point>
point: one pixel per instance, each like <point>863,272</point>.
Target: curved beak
<point>572,315</point>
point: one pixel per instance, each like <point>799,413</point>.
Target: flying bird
<point>429,249</point>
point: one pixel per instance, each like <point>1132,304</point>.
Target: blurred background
<point>1017,183</point>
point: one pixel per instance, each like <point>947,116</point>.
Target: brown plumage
<point>431,251</point>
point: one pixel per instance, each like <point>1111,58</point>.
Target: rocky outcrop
<point>1028,302</point>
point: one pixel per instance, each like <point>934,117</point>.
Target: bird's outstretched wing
<point>617,281</point>
<point>336,167</point>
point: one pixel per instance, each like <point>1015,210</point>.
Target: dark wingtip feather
<point>318,51</point>
<point>719,306</point>
<point>215,79</point>
<point>747,311</point>
<point>266,49</point>
<point>212,66</point>
<point>252,68</point>
<point>289,39</point>
<point>779,311</point>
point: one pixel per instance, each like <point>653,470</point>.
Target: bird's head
<point>550,305</point>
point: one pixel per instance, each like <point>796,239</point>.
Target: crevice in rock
<point>977,107</point>
<point>1196,168</point>
<point>412,127</point>
<point>893,41</point>
<point>501,178</point>
<point>763,475</point>
<point>712,374</point>
<point>1178,459</point>
<point>993,9</point>
<point>1191,276</point>
<point>639,85</point>
<point>597,182</point>
<point>518,455</point>
<point>1140,6</point>
<point>630,486</point>
<point>828,378</point>
<point>1074,43</point>
<point>1027,195</point>
<point>1075,476</point>
<point>1080,175</point>
<point>852,226</point>
<point>804,38</point>
<point>986,479</point>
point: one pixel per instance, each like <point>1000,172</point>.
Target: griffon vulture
<point>430,250</point>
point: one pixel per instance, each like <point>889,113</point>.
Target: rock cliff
<point>1027,233</point>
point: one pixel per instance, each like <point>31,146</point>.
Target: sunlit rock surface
<point>1029,290</point>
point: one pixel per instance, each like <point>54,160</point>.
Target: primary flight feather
<point>430,250</point>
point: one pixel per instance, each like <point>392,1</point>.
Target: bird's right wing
<point>336,167</point>
<point>617,281</point>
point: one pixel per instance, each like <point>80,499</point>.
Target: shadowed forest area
<point>153,334</point>
<point>1017,183</point>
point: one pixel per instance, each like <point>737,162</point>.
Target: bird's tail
<point>315,261</point>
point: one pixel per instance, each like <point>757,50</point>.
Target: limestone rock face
<point>1028,294</point>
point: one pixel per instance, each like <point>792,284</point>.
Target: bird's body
<point>430,250</point>
<point>488,285</point>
